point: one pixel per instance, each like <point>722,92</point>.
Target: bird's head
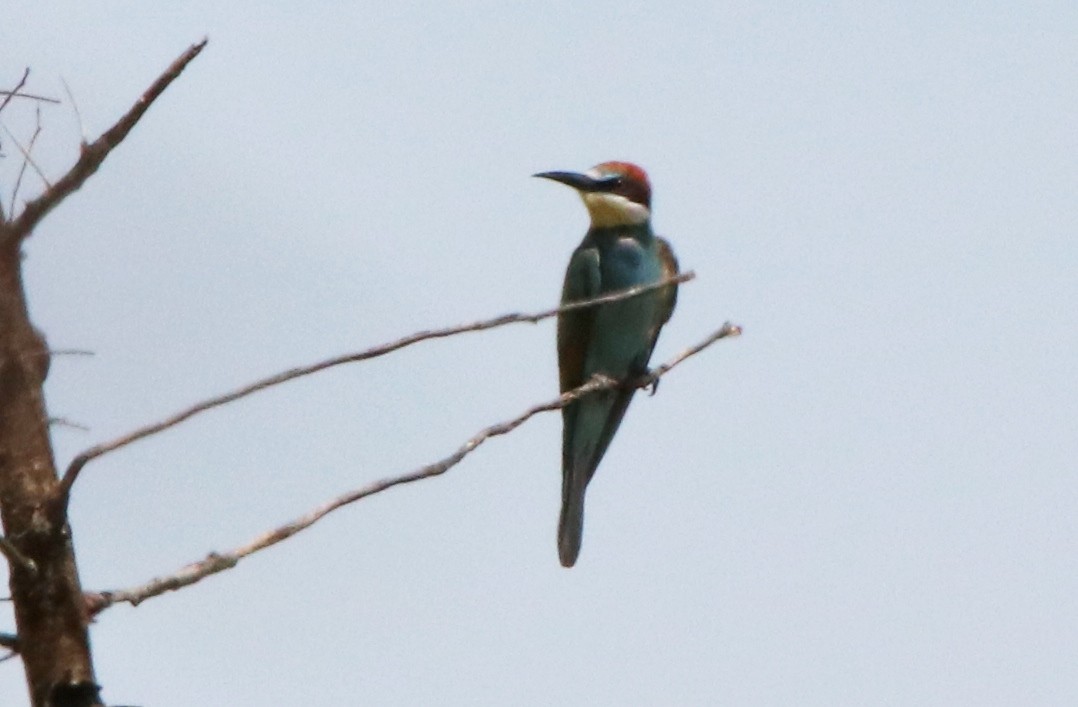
<point>615,193</point>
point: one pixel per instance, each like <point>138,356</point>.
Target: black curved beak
<point>580,182</point>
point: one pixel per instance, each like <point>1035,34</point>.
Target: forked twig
<point>22,168</point>
<point>93,154</point>
<point>26,159</point>
<point>15,91</point>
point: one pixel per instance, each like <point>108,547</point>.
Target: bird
<point>620,250</point>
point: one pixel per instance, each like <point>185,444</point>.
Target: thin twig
<point>219,562</point>
<point>94,154</point>
<point>64,422</point>
<point>661,370</point>
<point>71,352</point>
<point>14,92</point>
<point>10,95</point>
<point>10,642</point>
<point>75,107</point>
<point>22,168</point>
<point>30,96</point>
<point>26,158</point>
<point>76,465</point>
<point>15,557</point>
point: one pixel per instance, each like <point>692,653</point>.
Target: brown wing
<point>574,335</point>
<point>574,328</point>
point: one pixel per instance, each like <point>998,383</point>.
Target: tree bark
<point>50,613</point>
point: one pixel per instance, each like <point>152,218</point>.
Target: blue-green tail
<point>571,522</point>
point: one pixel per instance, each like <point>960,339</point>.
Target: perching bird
<point>619,251</point>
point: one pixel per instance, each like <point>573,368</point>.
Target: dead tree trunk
<point>49,610</point>
<point>51,613</point>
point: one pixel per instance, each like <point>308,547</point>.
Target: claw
<point>653,386</point>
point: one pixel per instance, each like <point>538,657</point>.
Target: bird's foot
<point>652,386</point>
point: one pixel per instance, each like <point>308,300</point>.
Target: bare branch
<point>94,154</point>
<point>219,562</point>
<point>14,92</point>
<point>15,557</point>
<point>80,461</point>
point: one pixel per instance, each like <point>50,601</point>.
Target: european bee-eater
<point>619,251</point>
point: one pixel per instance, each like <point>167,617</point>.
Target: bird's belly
<point>621,331</point>
<point>621,336</point>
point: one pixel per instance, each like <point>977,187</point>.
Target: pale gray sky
<point>869,498</point>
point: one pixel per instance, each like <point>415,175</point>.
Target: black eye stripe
<point>612,182</point>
